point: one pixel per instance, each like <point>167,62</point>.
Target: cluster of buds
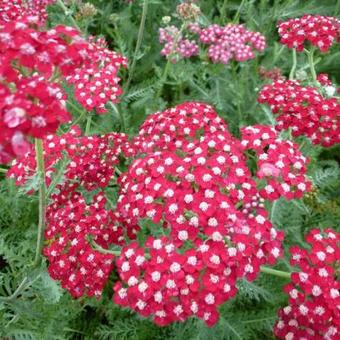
<point>188,11</point>
<point>272,74</point>
<point>86,11</point>
<point>319,31</point>
<point>314,298</point>
<point>304,110</point>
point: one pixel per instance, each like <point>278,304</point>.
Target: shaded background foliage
<point>44,310</point>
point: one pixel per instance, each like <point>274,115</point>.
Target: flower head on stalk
<point>314,299</point>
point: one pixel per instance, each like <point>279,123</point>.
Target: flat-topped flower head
<point>305,110</point>
<point>231,42</point>
<point>281,165</point>
<point>316,30</point>
<point>314,298</point>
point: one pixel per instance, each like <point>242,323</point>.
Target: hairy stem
<point>139,42</point>
<point>17,292</point>
<point>237,15</point>
<point>310,55</point>
<point>167,66</point>
<point>293,69</point>
<point>120,115</point>
<point>67,13</point>
<point>88,125</point>
<point>39,150</point>
<point>278,273</point>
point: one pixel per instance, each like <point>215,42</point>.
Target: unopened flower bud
<point>188,11</point>
<point>166,20</point>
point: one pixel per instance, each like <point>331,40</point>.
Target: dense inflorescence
<point>22,9</point>
<point>71,226</point>
<point>176,44</point>
<point>224,42</point>
<point>176,127</point>
<point>314,300</point>
<point>231,42</point>
<point>98,83</point>
<point>280,163</point>
<point>91,160</point>
<point>194,183</point>
<point>179,213</point>
<point>303,109</point>
<point>319,31</point>
<point>34,63</point>
<point>71,221</point>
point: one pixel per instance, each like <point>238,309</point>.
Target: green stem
<point>237,15</point>
<point>67,13</point>
<point>39,150</point>
<point>139,42</point>
<point>88,125</point>
<point>310,55</point>
<point>167,66</point>
<point>99,248</point>
<point>224,8</point>
<point>293,69</point>
<point>17,292</point>
<point>4,171</point>
<point>120,115</point>
<point>278,273</point>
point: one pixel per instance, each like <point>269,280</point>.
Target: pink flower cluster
<point>280,163</point>
<point>304,110</point>
<point>314,299</point>
<point>33,105</point>
<point>231,42</point>
<point>175,45</point>
<point>319,31</point>
<point>225,43</point>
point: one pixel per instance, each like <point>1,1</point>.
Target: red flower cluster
<point>314,299</point>
<point>31,103</point>
<point>71,223</point>
<point>91,159</point>
<point>177,127</point>
<point>320,31</point>
<point>98,82</point>
<point>280,163</point>
<point>36,108</point>
<point>200,190</point>
<point>159,281</point>
<point>190,178</point>
<point>304,110</point>
<point>11,10</point>
<point>70,220</point>
<point>231,42</point>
